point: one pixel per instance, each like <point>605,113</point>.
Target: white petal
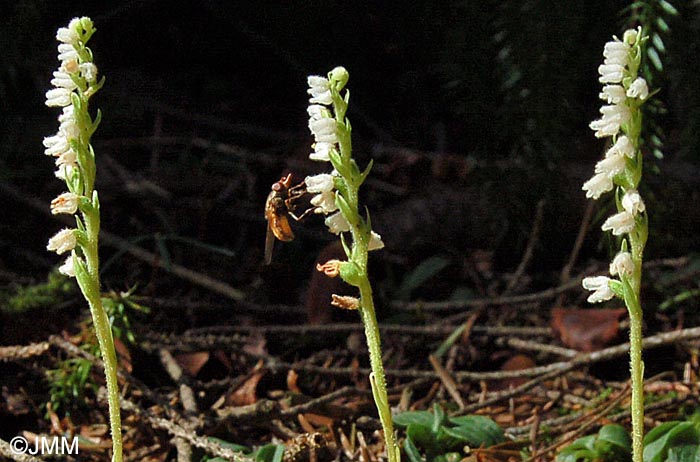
<point>638,89</point>
<point>65,203</point>
<point>613,94</point>
<point>88,71</point>
<point>611,73</point>
<point>632,202</point>
<point>620,223</point>
<point>324,202</point>
<point>337,223</point>
<point>321,151</point>
<point>63,241</point>
<point>375,242</point>
<point>597,185</point>
<point>622,264</point>
<point>600,287</point>
<point>58,97</point>
<point>611,165</point>
<point>623,146</point>
<point>67,268</point>
<point>322,182</point>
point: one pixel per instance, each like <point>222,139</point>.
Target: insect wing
<point>269,244</point>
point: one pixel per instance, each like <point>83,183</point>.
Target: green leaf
<point>668,8</point>
<point>364,174</point>
<point>420,275</point>
<point>658,43</point>
<point>613,444</point>
<point>616,435</point>
<point>663,26</point>
<point>269,453</point>
<point>582,449</point>
<point>660,440</point>
<point>654,58</point>
<point>423,437</point>
<point>686,453</point>
<point>412,451</point>
<point>477,430</point>
<point>438,418</point>
<point>229,445</point>
<point>404,419</point>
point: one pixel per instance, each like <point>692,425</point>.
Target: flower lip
<point>600,285</point>
<point>622,264</point>
<point>632,202</point>
<point>620,223</point>
<point>596,186</point>
<point>63,241</point>
<point>65,203</point>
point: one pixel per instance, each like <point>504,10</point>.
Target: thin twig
<point>189,404</point>
<point>106,237</point>
<point>447,381</point>
<point>509,300</point>
<point>16,352</point>
<point>209,445</point>
<point>565,274</point>
<point>529,249</point>
<point>6,451</point>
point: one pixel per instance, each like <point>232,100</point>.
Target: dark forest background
<point>474,112</point>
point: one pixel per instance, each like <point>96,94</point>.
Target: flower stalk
<point>337,197</point>
<point>75,82</point>
<point>621,171</point>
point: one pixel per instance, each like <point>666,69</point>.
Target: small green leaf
<point>658,441</point>
<point>404,419</point>
<point>477,430</point>
<point>420,275</point>
<point>411,450</point>
<point>423,437</point>
<point>269,453</point>
<point>658,43</point>
<point>668,8</point>
<point>663,26</point>
<point>654,58</point>
<point>685,453</point>
<point>438,418</point>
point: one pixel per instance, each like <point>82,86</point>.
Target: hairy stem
<point>378,378</point>
<point>103,330</point>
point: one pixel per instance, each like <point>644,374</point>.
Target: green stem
<point>103,330</point>
<point>634,308</point>
<point>378,378</point>
<point>637,375</point>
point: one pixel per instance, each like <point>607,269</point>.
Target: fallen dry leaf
<point>192,363</point>
<point>586,329</point>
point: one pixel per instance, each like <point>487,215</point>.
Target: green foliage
<point>611,444</point>
<point>675,441</point>
<point>434,437</point>
<point>117,306</point>
<point>266,453</point>
<point>71,379</point>
<point>49,294</point>
<point>421,274</point>
<point>68,384</point>
<point>654,16</point>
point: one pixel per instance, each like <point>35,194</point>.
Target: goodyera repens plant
<point>621,171</point>
<point>336,196</point>
<point>74,83</point>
